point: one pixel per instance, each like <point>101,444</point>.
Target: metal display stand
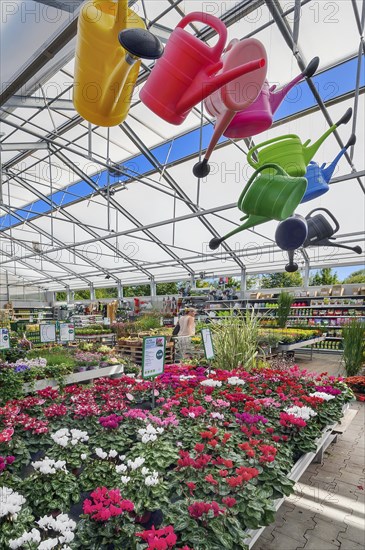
<point>297,471</point>
<point>298,345</point>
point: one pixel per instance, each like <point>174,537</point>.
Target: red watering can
<point>267,197</point>
<point>319,177</point>
<point>187,72</point>
<point>257,117</point>
<point>235,96</point>
<point>289,152</point>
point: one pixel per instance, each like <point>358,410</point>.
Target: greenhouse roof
<point>82,203</point>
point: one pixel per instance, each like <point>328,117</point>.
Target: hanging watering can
<point>290,234</point>
<point>187,72</point>
<point>267,197</point>
<point>107,61</point>
<point>259,115</point>
<point>319,177</point>
<point>320,231</point>
<point>235,96</point>
<point>289,152</point>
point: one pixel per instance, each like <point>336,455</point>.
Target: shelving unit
<point>33,314</point>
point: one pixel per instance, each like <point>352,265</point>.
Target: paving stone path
<point>327,510</point>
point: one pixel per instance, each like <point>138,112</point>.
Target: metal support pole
<point>243,283</point>
<point>306,273</point>
<point>120,290</point>
<point>192,280</point>
<point>68,294</point>
<point>92,292</point>
<point>153,288</point>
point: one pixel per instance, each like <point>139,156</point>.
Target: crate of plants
<point>90,466</point>
<point>357,384</point>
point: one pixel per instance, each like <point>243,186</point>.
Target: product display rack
<point>33,314</point>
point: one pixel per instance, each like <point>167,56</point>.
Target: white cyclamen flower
<point>152,479</point>
<point>83,456</point>
<point>121,468</point>
<point>134,464</point>
<point>322,395</point>
<point>235,381</point>
<point>49,466</point>
<point>100,453</point>
<point>10,502</point>
<point>211,383</point>
<point>125,479</point>
<point>145,471</point>
<point>217,415</point>
<point>112,453</point>
<point>48,544</point>
<point>305,413</point>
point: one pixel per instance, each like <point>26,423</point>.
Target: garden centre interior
<point>182,282</point>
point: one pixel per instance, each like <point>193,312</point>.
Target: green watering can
<point>267,196</point>
<point>289,152</point>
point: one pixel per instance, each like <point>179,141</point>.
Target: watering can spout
<point>250,221</point>
<point>291,267</point>
<point>277,97</point>
<point>200,90</point>
<point>327,242</point>
<point>328,172</point>
<point>310,151</point>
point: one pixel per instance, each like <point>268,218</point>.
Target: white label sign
<point>207,343</point>
<point>153,358</point>
<point>67,332</point>
<point>4,338</point>
<point>47,333</point>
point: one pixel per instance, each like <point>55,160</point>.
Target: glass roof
<point>66,220</point>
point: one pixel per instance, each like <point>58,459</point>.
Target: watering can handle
<point>337,225</point>
<point>250,181</point>
<point>211,21</point>
<point>272,140</point>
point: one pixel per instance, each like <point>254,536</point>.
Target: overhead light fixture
<point>108,276</point>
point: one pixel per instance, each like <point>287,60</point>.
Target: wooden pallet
<point>135,352</point>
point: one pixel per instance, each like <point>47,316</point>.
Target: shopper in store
<point>186,331</point>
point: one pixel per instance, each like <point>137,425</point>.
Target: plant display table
<point>133,349</point>
<point>298,345</point>
<point>76,377</point>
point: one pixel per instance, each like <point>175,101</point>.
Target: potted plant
<point>285,301</point>
<point>353,335</point>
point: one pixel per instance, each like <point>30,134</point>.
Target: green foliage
<point>356,277</point>
<point>11,384</point>
<point>281,280</point>
<point>140,290</point>
<point>324,276</point>
<point>163,289</point>
<point>101,293</point>
<point>353,335</point>
<point>61,296</point>
<point>147,322</point>
<point>236,341</point>
<point>285,301</point>
<point>54,356</point>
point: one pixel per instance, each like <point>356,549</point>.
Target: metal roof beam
<point>23,146</point>
<point>29,102</point>
<point>284,27</point>
<point>119,208</point>
<point>174,185</point>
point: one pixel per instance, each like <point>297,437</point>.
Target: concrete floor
<point>327,510</point>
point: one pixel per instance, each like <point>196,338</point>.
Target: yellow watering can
<point>289,152</point>
<point>108,59</point>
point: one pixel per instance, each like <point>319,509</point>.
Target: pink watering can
<point>319,177</point>
<point>187,71</point>
<point>258,116</point>
<point>289,152</point>
<point>235,96</point>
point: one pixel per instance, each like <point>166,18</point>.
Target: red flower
<point>6,435</point>
<point>191,486</point>
<point>199,447</point>
<point>229,501</point>
<point>223,473</point>
<point>235,481</point>
<point>213,442</point>
<point>210,479</point>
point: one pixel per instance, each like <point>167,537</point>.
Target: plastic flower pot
<point>82,369</point>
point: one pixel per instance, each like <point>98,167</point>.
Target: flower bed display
<point>93,467</point>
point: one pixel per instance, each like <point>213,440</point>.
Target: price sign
<point>207,343</point>
<point>47,333</point>
<point>67,332</point>
<point>153,356</point>
<point>4,338</point>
